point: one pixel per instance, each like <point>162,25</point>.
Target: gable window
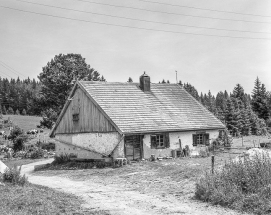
<point>160,141</point>
<point>201,139</point>
<point>75,117</point>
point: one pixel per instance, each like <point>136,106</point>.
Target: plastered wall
<point>185,137</point>
<point>62,148</point>
<point>99,142</point>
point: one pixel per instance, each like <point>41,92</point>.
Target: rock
<point>3,167</point>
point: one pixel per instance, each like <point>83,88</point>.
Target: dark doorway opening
<point>133,147</point>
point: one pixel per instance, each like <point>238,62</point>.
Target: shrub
<point>10,111</point>
<point>49,146</point>
<point>15,132</point>
<point>242,185</point>
<point>48,118</point>
<point>62,158</point>
<point>24,112</point>
<point>19,141</point>
<point>36,153</point>
<point>13,175</point>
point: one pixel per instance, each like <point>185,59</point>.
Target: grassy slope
<point>27,123</point>
<point>24,122</point>
<point>33,199</point>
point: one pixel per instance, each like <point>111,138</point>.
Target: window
<point>75,117</point>
<point>159,141</point>
<point>201,139</point>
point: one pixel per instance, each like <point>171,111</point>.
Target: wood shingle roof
<point>167,107</point>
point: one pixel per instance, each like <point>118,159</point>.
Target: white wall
<point>99,142</point>
<point>62,148</point>
<point>185,137</point>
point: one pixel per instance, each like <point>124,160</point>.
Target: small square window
<point>75,117</point>
<point>158,141</point>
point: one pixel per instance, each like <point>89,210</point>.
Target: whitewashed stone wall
<point>103,143</point>
<point>185,137</point>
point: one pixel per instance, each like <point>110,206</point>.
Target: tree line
<point>243,114</point>
<point>19,96</point>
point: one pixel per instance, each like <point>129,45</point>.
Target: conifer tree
<point>259,100</point>
<point>10,111</point>
<point>4,110</point>
<point>221,101</point>
<point>264,110</point>
<point>229,118</point>
<point>254,123</point>
<point>236,117</point>
<point>238,93</point>
<point>245,129</point>
<point>24,112</point>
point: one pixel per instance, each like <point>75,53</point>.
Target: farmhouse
<point>132,120</point>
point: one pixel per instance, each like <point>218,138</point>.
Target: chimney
<point>145,83</point>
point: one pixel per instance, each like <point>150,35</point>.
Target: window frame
<point>161,141</point>
<point>201,139</point>
<point>75,117</point>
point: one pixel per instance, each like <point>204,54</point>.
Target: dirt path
<point>120,201</point>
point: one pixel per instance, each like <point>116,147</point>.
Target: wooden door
<point>133,147</point>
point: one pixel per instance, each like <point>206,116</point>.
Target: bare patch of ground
<point>165,187</point>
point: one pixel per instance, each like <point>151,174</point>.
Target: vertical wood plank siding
<point>90,117</point>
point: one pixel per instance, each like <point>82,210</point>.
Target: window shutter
<point>153,141</point>
<point>194,139</point>
<point>207,142</point>
<point>167,142</point>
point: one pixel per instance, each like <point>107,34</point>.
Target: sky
<point>216,62</point>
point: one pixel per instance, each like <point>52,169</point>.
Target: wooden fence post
<point>213,163</point>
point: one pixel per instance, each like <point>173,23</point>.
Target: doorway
<point>133,147</point>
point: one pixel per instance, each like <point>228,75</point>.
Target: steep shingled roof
<point>167,107</point>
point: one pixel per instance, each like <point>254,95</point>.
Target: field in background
<point>24,122</point>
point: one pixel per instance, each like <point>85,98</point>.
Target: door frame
<point>140,143</point>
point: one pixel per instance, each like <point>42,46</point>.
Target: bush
<point>64,161</point>
<point>62,158</point>
<point>15,132</point>
<point>19,141</point>
<point>36,153</point>
<point>13,175</point>
<point>242,185</point>
<point>49,146</point>
<point>49,117</point>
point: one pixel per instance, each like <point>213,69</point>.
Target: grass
<point>241,185</point>
<point>173,177</point>
<point>24,122</point>
<point>166,177</point>
<point>27,123</point>
<point>34,199</point>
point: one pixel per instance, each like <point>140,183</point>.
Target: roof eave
<point>173,130</point>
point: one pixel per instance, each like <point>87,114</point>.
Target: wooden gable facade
<point>82,115</point>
